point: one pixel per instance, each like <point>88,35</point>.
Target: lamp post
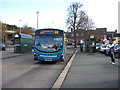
<point>20,26</point>
<point>37,19</point>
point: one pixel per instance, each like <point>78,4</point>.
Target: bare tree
<point>82,20</point>
<point>89,24</point>
<point>78,19</point>
<point>73,17</point>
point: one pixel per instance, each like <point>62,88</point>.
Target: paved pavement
<point>91,71</point>
<point>9,53</point>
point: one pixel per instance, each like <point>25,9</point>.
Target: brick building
<point>80,35</point>
<point>99,34</point>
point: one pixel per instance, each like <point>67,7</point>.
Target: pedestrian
<point>81,47</point>
<point>112,55</point>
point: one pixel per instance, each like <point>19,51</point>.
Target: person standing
<point>112,55</point>
<point>81,47</point>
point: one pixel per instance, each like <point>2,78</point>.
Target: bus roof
<point>22,35</point>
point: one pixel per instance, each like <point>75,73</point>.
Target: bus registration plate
<point>48,59</point>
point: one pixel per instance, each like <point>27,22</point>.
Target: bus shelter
<point>22,43</point>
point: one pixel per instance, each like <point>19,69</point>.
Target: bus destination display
<point>49,32</point>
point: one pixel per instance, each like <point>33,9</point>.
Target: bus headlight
<point>36,54</point>
<point>61,56</point>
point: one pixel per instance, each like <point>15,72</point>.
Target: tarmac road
<point>21,72</point>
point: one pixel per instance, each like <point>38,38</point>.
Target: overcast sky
<point>53,14</point>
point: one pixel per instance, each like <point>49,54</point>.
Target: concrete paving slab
<point>91,71</point>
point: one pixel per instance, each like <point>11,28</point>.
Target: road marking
<point>62,76</point>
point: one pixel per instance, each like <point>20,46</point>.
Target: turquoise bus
<point>49,45</point>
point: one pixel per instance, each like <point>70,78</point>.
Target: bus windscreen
<point>47,41</point>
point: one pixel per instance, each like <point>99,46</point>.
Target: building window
<point>77,34</point>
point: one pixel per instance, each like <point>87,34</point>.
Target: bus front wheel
<point>62,60</point>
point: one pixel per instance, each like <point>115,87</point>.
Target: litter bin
<point>22,43</point>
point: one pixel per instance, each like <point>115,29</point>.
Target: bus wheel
<point>62,60</point>
<point>54,62</point>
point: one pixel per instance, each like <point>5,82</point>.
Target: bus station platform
<point>91,71</point>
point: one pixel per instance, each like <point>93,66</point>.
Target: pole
<point>20,26</point>
<point>37,19</point>
<point>75,38</point>
<point>90,43</point>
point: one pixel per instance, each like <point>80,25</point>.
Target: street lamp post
<point>20,26</point>
<point>37,19</point>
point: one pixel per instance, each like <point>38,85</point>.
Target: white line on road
<point>62,76</point>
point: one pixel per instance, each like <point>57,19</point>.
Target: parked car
<point>104,47</point>
<point>108,50</point>
<point>98,45</point>
<point>2,47</point>
<point>117,52</point>
<point>93,47</point>
<point>69,43</point>
<point>78,43</point>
